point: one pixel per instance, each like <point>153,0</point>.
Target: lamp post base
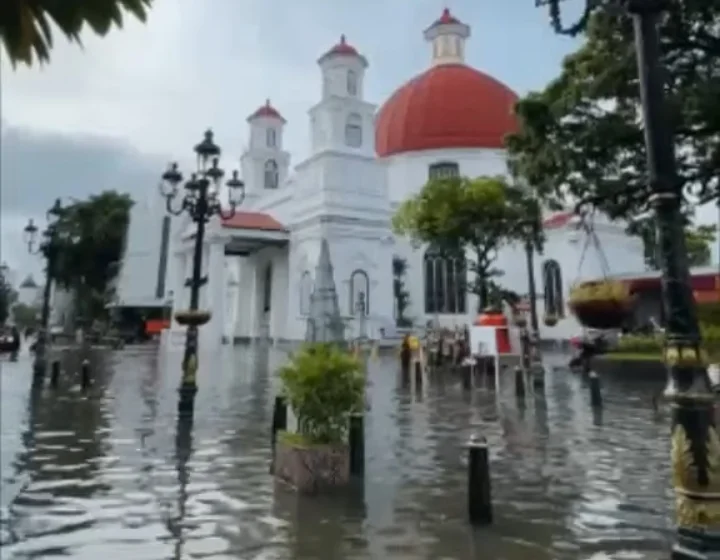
<point>186,404</point>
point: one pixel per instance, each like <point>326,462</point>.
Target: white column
<point>246,326</point>
<point>178,279</point>
<point>214,291</point>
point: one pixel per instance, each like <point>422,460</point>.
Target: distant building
<point>29,292</point>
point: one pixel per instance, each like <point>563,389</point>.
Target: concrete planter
<point>312,469</point>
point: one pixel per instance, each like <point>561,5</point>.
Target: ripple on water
<point>106,477</point>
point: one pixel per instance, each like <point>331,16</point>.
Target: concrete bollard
<point>55,374</point>
<point>479,495</point>
<point>279,424</point>
<point>519,383</point>
<point>85,375</point>
<point>595,394</point>
<point>356,437</point>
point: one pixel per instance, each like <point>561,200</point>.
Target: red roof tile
<point>253,220</point>
<point>446,18</point>
<point>558,220</point>
<point>267,110</point>
<point>342,48</point>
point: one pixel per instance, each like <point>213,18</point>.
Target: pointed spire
<point>325,323</point>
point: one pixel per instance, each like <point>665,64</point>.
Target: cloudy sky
<point>110,115</point>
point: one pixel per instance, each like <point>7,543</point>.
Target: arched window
<point>359,293</point>
<point>267,288</point>
<point>352,82</point>
<point>353,131</point>
<point>271,137</point>
<point>553,288</point>
<point>443,169</point>
<point>445,290</point>
<point>306,286</point>
<point>271,174</point>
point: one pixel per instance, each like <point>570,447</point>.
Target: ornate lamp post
<point>201,200</point>
<point>695,442</point>
<point>50,248</point>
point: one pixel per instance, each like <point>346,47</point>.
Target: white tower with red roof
<point>265,164</point>
<point>343,121</point>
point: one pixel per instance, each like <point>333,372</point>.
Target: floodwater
<point>106,476</point>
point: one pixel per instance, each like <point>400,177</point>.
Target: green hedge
<point>653,344</point>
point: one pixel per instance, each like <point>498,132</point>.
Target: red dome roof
<point>342,48</point>
<point>267,110</point>
<point>448,106</point>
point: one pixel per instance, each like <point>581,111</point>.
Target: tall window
<point>443,169</point>
<point>351,83</point>
<point>353,131</point>
<point>359,292</point>
<point>306,286</point>
<point>271,174</point>
<point>267,288</point>
<point>271,137</point>
<point>553,288</point>
<point>445,290</point>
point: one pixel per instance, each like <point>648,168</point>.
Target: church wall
<point>361,254</point>
<point>408,173</point>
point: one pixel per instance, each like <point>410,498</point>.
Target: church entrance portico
<point>256,248</point>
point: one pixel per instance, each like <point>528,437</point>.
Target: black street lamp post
<point>695,452</point>
<point>50,249</point>
<point>201,200</point>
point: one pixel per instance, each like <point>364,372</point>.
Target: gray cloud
<point>36,167</point>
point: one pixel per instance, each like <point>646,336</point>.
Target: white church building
<point>450,119</point>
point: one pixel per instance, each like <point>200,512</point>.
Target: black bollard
<point>357,444</point>
<point>595,394</point>
<point>479,498</point>
<point>279,424</point>
<point>519,383</point>
<point>418,373</point>
<point>466,373</point>
<point>85,375</point>
<point>55,374</point>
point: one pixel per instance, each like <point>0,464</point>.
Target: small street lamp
<point>201,200</point>
<point>695,442</point>
<point>49,247</point>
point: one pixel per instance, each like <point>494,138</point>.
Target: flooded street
<point>104,476</point>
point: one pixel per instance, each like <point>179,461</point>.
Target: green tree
<point>25,316</point>
<point>698,239</point>
<point>90,243</point>
<point>401,295</point>
<point>26,25</point>
<point>472,217</point>
<point>581,137</point>
<point>8,296</point>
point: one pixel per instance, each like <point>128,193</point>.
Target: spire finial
<point>267,102</point>
<point>342,39</point>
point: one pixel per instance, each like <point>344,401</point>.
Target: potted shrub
<point>192,317</point>
<point>520,320</point>
<point>323,385</point>
<point>601,305</point>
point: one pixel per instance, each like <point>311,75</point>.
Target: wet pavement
<point>104,475</point>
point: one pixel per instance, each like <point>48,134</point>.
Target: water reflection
<point>115,475</point>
